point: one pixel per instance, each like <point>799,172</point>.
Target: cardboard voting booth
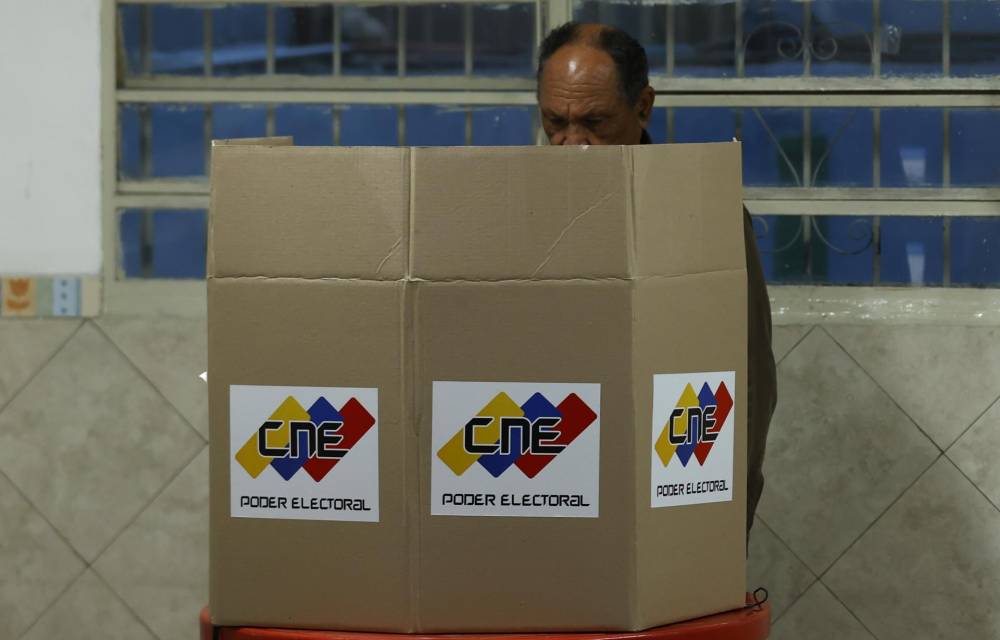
<point>476,389</point>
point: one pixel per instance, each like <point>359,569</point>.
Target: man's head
<point>593,85</point>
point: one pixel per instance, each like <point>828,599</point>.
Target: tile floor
<point>880,517</point>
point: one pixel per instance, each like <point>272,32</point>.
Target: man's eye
<point>593,122</point>
<point>557,122</point>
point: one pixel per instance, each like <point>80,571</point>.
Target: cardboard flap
<point>688,208</point>
<point>308,212</point>
<point>506,213</point>
<point>274,141</point>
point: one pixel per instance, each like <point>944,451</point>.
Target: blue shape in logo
<point>321,411</point>
<point>535,407</point>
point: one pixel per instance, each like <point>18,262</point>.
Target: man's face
<point>581,101</point>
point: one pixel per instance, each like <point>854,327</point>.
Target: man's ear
<point>644,107</point>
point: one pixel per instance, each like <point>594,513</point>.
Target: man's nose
<point>577,135</point>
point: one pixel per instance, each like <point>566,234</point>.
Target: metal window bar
<point>876,39</point>
<point>945,38</point>
<point>270,30</point>
<point>671,39</point>
<point>738,39</point>
<point>337,40</point>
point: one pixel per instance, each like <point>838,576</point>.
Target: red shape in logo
<point>357,422</point>
<point>723,405</point>
<point>576,416</point>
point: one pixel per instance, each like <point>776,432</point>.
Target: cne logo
<point>313,439</point>
<point>529,436</point>
<point>694,425</point>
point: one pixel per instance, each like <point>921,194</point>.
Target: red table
<point>750,623</point>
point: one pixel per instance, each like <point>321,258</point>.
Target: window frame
<point>792,303</point>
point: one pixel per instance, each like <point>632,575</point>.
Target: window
<point>869,127</point>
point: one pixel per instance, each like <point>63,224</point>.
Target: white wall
<point>50,168</point>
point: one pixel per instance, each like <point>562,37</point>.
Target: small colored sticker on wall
<point>18,297</point>
<point>693,438</point>
<point>66,297</point>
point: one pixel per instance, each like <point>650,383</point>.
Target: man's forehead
<point>581,64</point>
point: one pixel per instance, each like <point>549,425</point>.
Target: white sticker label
<point>303,453</point>
<point>693,424</point>
<point>515,449</point>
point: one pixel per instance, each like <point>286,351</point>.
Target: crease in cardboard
<point>569,225</point>
<point>411,411</point>
<point>415,280</point>
<point>631,219</point>
<point>392,250</point>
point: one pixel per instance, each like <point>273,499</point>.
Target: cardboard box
<point>476,389</point>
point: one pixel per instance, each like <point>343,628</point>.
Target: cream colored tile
<point>35,565</point>
<point>839,452</point>
<point>929,568</point>
<point>818,616</point>
<point>977,453</point>
<point>773,566</point>
<point>943,377</point>
<point>785,337</point>
<point>25,345</point>
<point>171,351</point>
<point>90,442</point>
<point>89,610</point>
<point>159,565</point>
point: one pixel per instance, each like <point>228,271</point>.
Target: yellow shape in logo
<point>249,457</point>
<point>664,448</point>
<point>453,452</point>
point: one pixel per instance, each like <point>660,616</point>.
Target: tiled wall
<point>880,517</point>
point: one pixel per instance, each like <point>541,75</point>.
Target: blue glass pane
<point>434,39</point>
<point>238,40</point>
<point>975,251</point>
<point>773,38</point>
<point>129,151</point>
<point>647,23</point>
<point>368,40</point>
<point>772,147</point>
<point>657,127</point>
<point>705,39</point>
<point>842,147</point>
<point>130,25</point>
<point>782,248</point>
<point>701,124</point>
<point>309,125</point>
<point>502,41</point>
<point>303,40</point>
<point>975,37</point>
<point>369,126</point>
<point>911,250</point>
<point>975,147</point>
<point>178,40</point>
<point>130,234</point>
<point>238,121</point>
<point>502,126</point>
<point>911,147</point>
<point>178,140</point>
<point>430,126</point>
<point>841,38</point>
<point>911,37</point>
<point>179,244</point>
<point>842,250</point>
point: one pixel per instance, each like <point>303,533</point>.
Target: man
<point>593,88</point>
